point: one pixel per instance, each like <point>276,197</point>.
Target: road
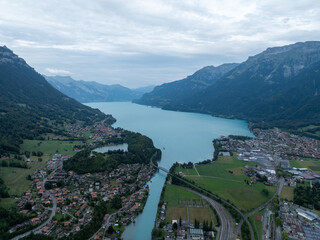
<point>244,217</point>
<point>53,213</point>
<point>104,226</point>
<point>278,192</point>
<point>225,231</point>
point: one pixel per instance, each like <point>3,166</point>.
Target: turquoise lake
<point>182,137</point>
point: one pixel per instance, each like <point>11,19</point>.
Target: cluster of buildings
<point>69,203</point>
<point>299,223</point>
<point>96,132</point>
<point>181,229</point>
<point>56,162</point>
<point>272,149</point>
<point>288,146</point>
<point>303,174</point>
<point>185,230</point>
<point>260,173</point>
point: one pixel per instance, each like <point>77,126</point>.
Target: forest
<point>307,197</point>
<point>140,150</point>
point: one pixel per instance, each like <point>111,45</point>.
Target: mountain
<point>30,107</point>
<point>173,92</point>
<point>84,91</point>
<point>278,87</point>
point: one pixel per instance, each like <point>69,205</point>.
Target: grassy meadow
<point>225,177</point>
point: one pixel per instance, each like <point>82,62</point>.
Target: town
<point>275,158</point>
<point>64,201</point>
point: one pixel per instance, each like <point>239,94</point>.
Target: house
<point>45,230</point>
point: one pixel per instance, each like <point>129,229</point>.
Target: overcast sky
<point>148,42</point>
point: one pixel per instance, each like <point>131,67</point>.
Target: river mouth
<point>182,137</point>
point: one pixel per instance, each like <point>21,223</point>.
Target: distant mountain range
<point>170,93</point>
<point>84,91</point>
<point>30,107</point>
<point>278,87</point>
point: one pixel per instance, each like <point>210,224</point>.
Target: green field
<point>8,202</point>
<point>186,171</point>
<point>181,204</point>
<point>287,193</point>
<point>311,165</point>
<point>173,193</point>
<point>225,178</point>
<point>15,178</point>
<point>50,147</point>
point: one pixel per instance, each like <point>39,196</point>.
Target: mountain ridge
<point>260,89</point>
<point>90,91</point>
<point>30,107</point>
<point>168,93</point>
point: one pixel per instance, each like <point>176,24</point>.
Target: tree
<point>285,236</point>
<point>60,183</point>
<point>278,221</point>
<point>48,185</point>
<point>28,206</point>
<point>27,153</point>
<point>175,226</point>
<point>265,192</point>
<point>4,163</point>
<point>196,223</point>
<point>110,230</point>
<point>116,202</point>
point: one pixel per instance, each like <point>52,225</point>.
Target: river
<point>182,137</point>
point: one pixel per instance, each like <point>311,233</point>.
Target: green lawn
<point>176,208</point>
<point>231,186</point>
<point>173,193</point>
<point>50,147</point>
<point>175,212</point>
<point>15,178</point>
<point>201,214</point>
<point>186,171</point>
<point>287,193</point>
<point>311,165</point>
<point>7,202</point>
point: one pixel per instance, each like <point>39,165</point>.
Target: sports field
<point>186,205</point>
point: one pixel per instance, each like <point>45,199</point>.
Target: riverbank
<point>184,137</point>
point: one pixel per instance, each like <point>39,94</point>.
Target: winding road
<point>226,224</point>
<point>38,229</point>
<point>244,217</point>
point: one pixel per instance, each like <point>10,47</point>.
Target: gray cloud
<point>137,43</point>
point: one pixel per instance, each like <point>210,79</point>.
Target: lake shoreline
<point>185,137</point>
